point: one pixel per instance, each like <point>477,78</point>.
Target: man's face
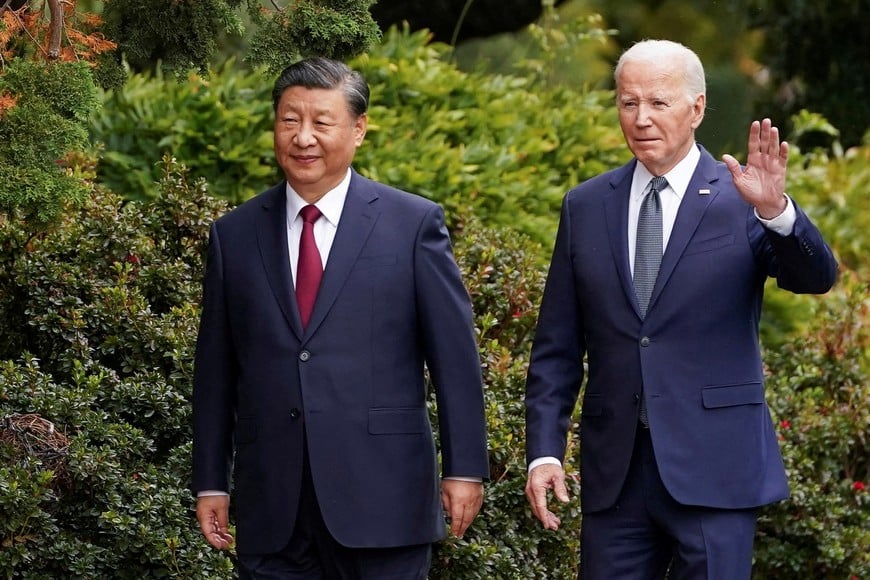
<point>316,137</point>
<point>657,117</point>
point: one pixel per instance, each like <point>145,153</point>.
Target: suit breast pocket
<point>709,244</point>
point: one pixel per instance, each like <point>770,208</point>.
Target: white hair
<point>667,50</point>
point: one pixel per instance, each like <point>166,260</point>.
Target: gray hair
<point>324,73</point>
<point>659,50</point>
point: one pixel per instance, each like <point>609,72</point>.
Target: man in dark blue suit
<point>309,388</point>
<point>656,280</point>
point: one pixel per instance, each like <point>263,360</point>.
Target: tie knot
<point>658,183</point>
<point>310,214</point>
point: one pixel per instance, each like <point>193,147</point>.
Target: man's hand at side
<point>212,512</point>
<point>542,479</point>
<point>461,501</point>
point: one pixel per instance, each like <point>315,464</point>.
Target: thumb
<point>560,490</point>
<point>733,166</point>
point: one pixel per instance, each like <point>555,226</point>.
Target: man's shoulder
<point>602,184</point>
<point>272,197</point>
<point>390,194</point>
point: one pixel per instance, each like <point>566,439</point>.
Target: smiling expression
<point>657,116</point>
<point>316,137</point>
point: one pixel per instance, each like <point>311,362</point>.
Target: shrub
<point>490,146</point>
<point>103,312</point>
<point>819,390</point>
<point>220,127</point>
<point>44,109</point>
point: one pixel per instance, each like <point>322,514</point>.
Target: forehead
<point>649,78</point>
<point>303,99</point>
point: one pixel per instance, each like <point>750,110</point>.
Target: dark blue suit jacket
<point>391,300</point>
<point>696,355</point>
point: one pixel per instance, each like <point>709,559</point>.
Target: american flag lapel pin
<point>704,192</point>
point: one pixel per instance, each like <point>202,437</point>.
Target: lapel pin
<point>703,192</point>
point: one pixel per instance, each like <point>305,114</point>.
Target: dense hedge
<point>494,146</point>
<point>100,317</point>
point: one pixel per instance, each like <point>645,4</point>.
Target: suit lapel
<point>272,243</point>
<point>616,215</point>
<point>358,217</point>
<point>689,215</point>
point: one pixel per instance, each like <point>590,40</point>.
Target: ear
<point>698,108</point>
<point>359,129</point>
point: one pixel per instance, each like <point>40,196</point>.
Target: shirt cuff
<point>210,492</point>
<point>463,478</point>
<point>544,460</point>
<point>783,224</point>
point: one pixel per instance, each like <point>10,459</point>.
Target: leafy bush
<point>495,147</point>
<point>819,391</point>
<point>97,349</point>
<point>44,109</point>
<point>220,127</point>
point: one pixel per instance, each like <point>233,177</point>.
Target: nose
<point>304,136</point>
<point>642,116</point>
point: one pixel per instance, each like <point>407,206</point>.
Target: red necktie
<point>309,268</point>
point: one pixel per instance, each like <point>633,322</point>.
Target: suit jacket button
<point>645,341</point>
<point>304,356</point>
<point>294,413</point>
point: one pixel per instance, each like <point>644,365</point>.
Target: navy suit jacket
<point>351,386</point>
<point>696,355</point>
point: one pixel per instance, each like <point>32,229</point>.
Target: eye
<point>628,105</point>
<point>661,104</point>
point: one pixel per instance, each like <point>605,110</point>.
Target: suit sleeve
<point>213,382</point>
<point>801,262</point>
<point>450,345</point>
<point>556,364</point>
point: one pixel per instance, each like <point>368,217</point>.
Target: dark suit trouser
<point>313,554</point>
<point>648,534</point>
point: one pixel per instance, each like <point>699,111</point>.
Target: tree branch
<point>55,28</point>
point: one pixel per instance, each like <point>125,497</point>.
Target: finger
<point>560,490</point>
<point>773,146</point>
<point>459,520</point>
<point>765,136</point>
<point>754,137</point>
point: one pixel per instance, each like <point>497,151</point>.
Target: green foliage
<point>339,29</point>
<point>38,136</point>
<point>180,34</point>
<point>481,144</point>
<point>100,324</point>
<point>819,390</point>
<point>495,146</point>
<point>219,126</point>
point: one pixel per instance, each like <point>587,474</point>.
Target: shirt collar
<point>678,177</point>
<point>330,205</point>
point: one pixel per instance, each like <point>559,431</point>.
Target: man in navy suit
<point>678,449</point>
<point>318,414</point>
